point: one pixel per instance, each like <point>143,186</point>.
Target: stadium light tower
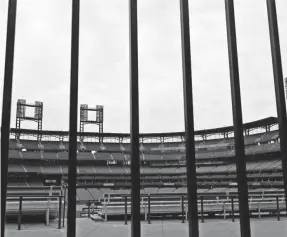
<point>84,119</point>
<point>21,116</point>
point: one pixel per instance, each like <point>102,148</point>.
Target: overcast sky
<point>42,61</point>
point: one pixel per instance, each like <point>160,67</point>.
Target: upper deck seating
<point>171,156</point>
<point>150,170</point>
<point>50,155</point>
<point>15,154</point>
<point>167,170</point>
<point>102,156</point>
<point>269,136</point>
<point>16,168</point>
<point>203,169</point>
<point>30,144</point>
<point>92,146</point>
<point>103,170</point>
<point>118,169</point>
<point>150,190</point>
<point>86,169</point>
<point>117,156</point>
<point>152,157</point>
<point>85,156</point>
<point>31,155</point>
<point>13,144</point>
<point>63,155</point>
<point>33,169</point>
<point>55,169</point>
<point>51,145</point>
<point>112,146</point>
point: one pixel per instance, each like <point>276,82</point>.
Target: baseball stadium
<point>221,181</point>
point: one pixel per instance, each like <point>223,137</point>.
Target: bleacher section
<point>103,168</point>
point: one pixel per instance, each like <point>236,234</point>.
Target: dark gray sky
<point>42,61</point>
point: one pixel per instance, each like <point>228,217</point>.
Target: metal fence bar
<point>202,210</point>
<point>72,168</point>
<point>6,106</point>
<point>278,208</point>
<point>60,213</point>
<point>189,121</point>
<point>134,123</point>
<point>20,213</point>
<point>126,210</point>
<point>64,208</point>
<point>279,86</point>
<point>149,214</point>
<point>237,121</point>
<point>89,209</point>
<point>182,209</point>
<point>232,208</point>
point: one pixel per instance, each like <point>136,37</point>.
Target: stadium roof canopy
<point>269,121</point>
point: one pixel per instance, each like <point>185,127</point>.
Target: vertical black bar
<point>232,208</point>
<point>279,86</point>
<point>278,208</point>
<point>72,169</point>
<point>202,217</point>
<point>182,209</point>
<point>19,214</point>
<point>89,209</point>
<point>149,209</point>
<point>189,121</point>
<point>237,121</point>
<point>134,123</point>
<point>64,208</point>
<point>126,210</point>
<point>6,106</point>
<point>60,212</point>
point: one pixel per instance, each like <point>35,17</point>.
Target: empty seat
<point>33,169</point>
<point>51,169</point>
<point>15,168</point>
<point>31,155</point>
<point>86,169</point>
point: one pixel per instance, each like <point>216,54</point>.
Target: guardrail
<point>178,206</point>
<point>44,203</point>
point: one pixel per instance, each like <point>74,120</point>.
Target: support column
<point>237,121</point>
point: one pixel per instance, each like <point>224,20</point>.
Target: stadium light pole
<point>279,86</point>
<point>189,121</point>
<point>72,167</point>
<point>134,122</point>
<point>237,121</point>
<point>6,107</point>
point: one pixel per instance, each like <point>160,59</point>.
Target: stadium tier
<point>103,166</point>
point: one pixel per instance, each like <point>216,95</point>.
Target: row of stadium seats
<point>61,169</point>
<point>251,150</point>
<point>56,145</point>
